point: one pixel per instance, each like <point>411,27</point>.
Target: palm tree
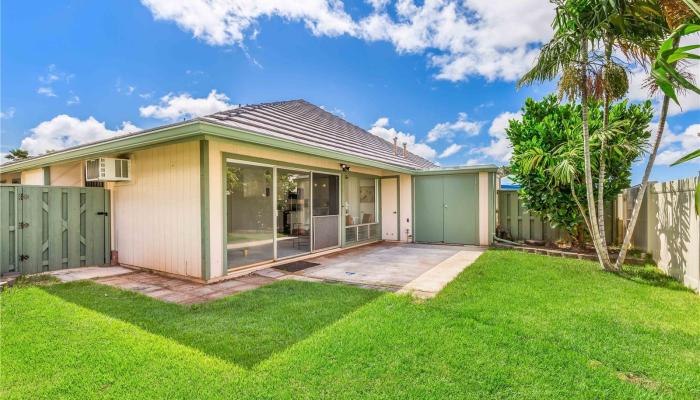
<point>578,24</point>
<point>676,14</point>
<point>625,25</point>
<point>17,154</point>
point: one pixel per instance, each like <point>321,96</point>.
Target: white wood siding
<point>70,174</point>
<point>33,177</point>
<point>156,216</point>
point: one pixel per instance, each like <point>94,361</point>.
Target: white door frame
<point>391,216</point>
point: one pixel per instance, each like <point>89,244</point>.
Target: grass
<point>512,325</point>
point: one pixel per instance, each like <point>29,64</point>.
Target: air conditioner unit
<point>107,169</point>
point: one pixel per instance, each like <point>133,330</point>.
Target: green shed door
<point>429,206</point>
<point>447,209</point>
<point>461,196</point>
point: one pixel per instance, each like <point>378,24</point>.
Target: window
<point>360,200</point>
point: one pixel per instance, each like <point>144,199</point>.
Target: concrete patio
<point>417,269</point>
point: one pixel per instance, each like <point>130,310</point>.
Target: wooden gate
<point>46,228</point>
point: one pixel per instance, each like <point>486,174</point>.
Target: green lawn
<point>512,325</point>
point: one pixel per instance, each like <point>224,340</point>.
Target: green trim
<point>224,214</point>
<point>47,176</point>
<point>492,206</point>
<point>204,207</point>
<point>279,164</point>
<point>108,226</point>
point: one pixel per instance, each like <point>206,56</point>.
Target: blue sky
<point>439,75</point>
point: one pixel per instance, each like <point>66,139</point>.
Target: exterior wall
<point>9,177</point>
<point>33,176</point>
<point>673,230</point>
<point>264,154</point>
<point>156,216</point>
<point>406,208</point>
<point>70,174</point>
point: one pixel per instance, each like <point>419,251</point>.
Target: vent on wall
<point>107,169</point>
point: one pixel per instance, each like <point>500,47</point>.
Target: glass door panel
<point>326,210</point>
<point>249,214</point>
<point>293,213</point>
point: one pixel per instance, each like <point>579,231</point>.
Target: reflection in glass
<point>293,213</point>
<point>249,224</point>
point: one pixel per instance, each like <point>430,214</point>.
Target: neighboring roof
<point>510,187</point>
<point>304,122</point>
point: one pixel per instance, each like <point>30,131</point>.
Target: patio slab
<point>421,270</point>
<point>175,290</point>
<point>431,282</point>
<point>396,265</point>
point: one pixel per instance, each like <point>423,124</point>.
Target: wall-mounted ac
<point>107,169</point>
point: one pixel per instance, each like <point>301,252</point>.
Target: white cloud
<point>9,113</point>
<point>471,37</point>
<point>448,130</point>
<point>381,128</point>
<point>74,99</point>
<point>675,146</point>
<point>451,150</point>
<point>473,161</point>
<point>173,108</point>
<point>500,148</point>
<point>52,76</point>
<point>226,22</point>
<point>377,4</point>
<point>46,91</point>
<point>65,131</point>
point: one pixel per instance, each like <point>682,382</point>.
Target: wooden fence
<point>522,225</point>
<point>667,227</point>
<point>45,228</point>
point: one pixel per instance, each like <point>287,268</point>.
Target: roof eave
<point>125,143</point>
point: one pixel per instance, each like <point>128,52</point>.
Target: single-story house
<point>240,189</point>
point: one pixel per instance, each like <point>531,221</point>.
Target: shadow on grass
<point>244,329</point>
<point>651,275</point>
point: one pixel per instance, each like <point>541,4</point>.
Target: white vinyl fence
<point>668,228</point>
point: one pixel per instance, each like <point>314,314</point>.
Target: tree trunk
<point>602,252</point>
<point>601,155</point>
<point>645,180</point>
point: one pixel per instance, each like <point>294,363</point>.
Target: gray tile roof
<point>303,122</point>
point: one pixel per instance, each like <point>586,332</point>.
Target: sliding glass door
<point>293,213</point>
<point>249,214</point>
<point>274,213</point>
